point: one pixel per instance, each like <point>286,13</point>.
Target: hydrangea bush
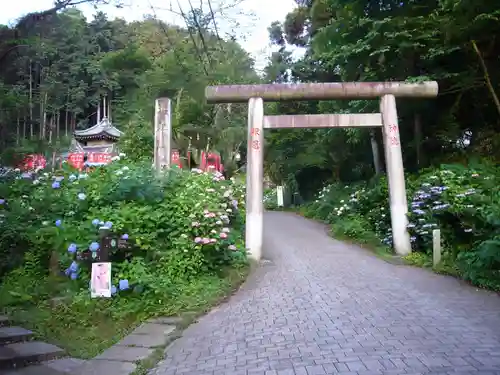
<point>463,202</point>
<point>178,226</point>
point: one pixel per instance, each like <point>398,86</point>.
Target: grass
<point>85,327</point>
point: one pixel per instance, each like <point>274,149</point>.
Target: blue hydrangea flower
<point>125,236</point>
<point>58,223</point>
<point>82,196</point>
<point>123,285</point>
<point>67,271</point>
<point>95,222</point>
<point>74,276</point>
<point>72,248</point>
<point>108,224</point>
<point>56,185</point>
<point>113,290</point>
<point>94,246</point>
<point>2,201</point>
<point>73,267</point>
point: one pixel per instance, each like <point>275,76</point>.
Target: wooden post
<point>163,134</point>
<point>255,179</point>
<point>436,247</point>
<point>395,176</point>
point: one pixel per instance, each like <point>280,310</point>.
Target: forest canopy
<point>57,68</point>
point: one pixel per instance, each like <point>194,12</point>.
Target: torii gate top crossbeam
<point>319,91</point>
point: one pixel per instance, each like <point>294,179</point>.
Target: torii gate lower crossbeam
<point>387,119</point>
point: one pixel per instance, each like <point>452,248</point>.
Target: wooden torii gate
<point>387,119</point>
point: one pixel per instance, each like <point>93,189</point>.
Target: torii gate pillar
<point>387,119</point>
<point>255,177</point>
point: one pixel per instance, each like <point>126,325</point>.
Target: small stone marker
<point>436,247</point>
<point>279,192</point>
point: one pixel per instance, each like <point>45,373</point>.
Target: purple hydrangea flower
<point>73,267</point>
<point>123,284</point>
<point>73,276</point>
<point>113,290</point>
<point>72,248</point>
<point>2,201</point>
<point>125,236</point>
<point>56,185</point>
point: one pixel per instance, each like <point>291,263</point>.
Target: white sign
<point>100,281</point>
<point>279,192</point>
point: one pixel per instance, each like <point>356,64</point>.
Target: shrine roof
<point>104,127</point>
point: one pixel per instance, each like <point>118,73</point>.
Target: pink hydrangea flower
<point>223,235</point>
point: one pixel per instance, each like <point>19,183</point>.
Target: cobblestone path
<point>320,306</point>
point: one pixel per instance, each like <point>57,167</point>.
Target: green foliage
<point>376,41</point>
<point>181,227</point>
<point>463,202</point>
<point>56,82</point>
<point>270,199</point>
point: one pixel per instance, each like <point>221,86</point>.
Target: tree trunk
<point>24,127</point>
<point>31,102</point>
<point>66,121</point>
<point>18,129</point>
<point>109,110</point>
<point>98,111</point>
<point>417,123</point>
<point>487,78</point>
<point>58,128</point>
<point>51,128</point>
<point>375,153</point>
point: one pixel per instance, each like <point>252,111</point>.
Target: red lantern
<point>175,158</point>
<point>76,160</point>
<point>99,157</point>
<point>32,162</point>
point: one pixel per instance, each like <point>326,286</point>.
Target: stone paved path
<point>324,307</point>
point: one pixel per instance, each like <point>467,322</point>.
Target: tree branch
<point>486,76</point>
